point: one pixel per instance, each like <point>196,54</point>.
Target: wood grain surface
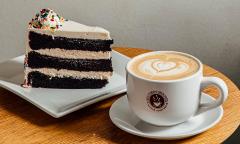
<point>23,123</point>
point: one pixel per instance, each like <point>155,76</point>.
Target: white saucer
<point>122,116</point>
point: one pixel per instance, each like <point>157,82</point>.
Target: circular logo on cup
<point>157,100</point>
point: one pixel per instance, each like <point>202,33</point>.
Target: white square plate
<point>60,102</point>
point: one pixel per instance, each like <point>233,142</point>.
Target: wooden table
<point>21,122</point>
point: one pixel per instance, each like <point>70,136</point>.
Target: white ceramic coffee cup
<point>180,98</point>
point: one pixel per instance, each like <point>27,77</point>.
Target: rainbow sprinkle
<point>47,19</point>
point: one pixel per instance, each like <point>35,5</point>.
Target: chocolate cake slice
<point>65,54</point>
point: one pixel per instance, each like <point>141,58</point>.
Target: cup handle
<point>222,88</point>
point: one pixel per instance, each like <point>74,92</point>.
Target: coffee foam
<point>164,66</point>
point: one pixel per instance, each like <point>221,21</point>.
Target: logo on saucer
<point>157,100</point>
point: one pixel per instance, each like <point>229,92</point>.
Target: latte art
<point>159,65</point>
<point>165,66</point>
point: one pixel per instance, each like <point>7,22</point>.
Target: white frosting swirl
<point>46,19</point>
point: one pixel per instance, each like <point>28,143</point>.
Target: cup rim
<point>200,69</point>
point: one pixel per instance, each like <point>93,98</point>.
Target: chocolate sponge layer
<point>43,41</point>
<point>37,79</point>
<point>36,60</point>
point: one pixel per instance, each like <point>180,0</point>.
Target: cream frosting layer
<point>71,29</point>
<point>71,73</point>
<point>73,54</point>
